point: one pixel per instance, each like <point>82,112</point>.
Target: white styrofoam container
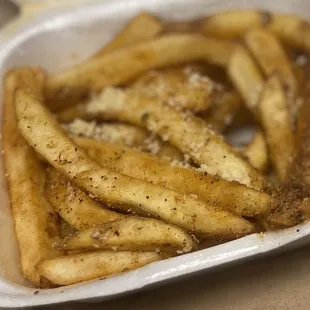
<point>50,41</point>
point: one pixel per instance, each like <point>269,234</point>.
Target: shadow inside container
<point>8,11</point>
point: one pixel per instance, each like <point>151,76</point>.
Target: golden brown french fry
<point>34,219</point>
<point>46,136</point>
<point>77,268</point>
<point>234,24</point>
<point>272,58</point>
<point>275,120</point>
<point>179,88</point>
<point>246,77</point>
<point>73,205</point>
<point>292,30</point>
<point>222,111</point>
<point>238,199</point>
<point>124,134</point>
<point>183,130</point>
<point>124,65</point>
<point>256,152</point>
<point>142,27</point>
<point>132,234</point>
<point>294,203</point>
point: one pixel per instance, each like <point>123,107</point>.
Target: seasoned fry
<point>257,153</point>
<point>141,28</point>
<point>234,24</point>
<point>292,30</point>
<point>294,199</point>
<point>272,58</point>
<point>237,199</point>
<point>122,66</point>
<point>295,203</point>
<point>246,77</point>
<point>223,110</point>
<point>183,130</point>
<point>181,89</point>
<point>73,205</point>
<point>76,268</point>
<point>132,234</point>
<point>34,219</point>
<point>124,134</point>
<point>42,132</point>
<point>275,120</point>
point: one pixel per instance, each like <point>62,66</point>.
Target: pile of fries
<point>124,160</point>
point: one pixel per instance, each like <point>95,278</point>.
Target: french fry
<point>294,204</point>
<point>188,133</point>
<point>246,77</point>
<point>275,120</point>
<point>256,152</point>
<point>292,30</point>
<point>122,66</point>
<point>234,24</point>
<point>125,134</point>
<point>76,268</point>
<point>132,234</point>
<point>193,72</point>
<point>73,205</point>
<point>238,199</point>
<point>46,136</point>
<point>222,111</point>
<point>179,88</point>
<point>272,58</point>
<point>34,219</point>
<point>142,27</point>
